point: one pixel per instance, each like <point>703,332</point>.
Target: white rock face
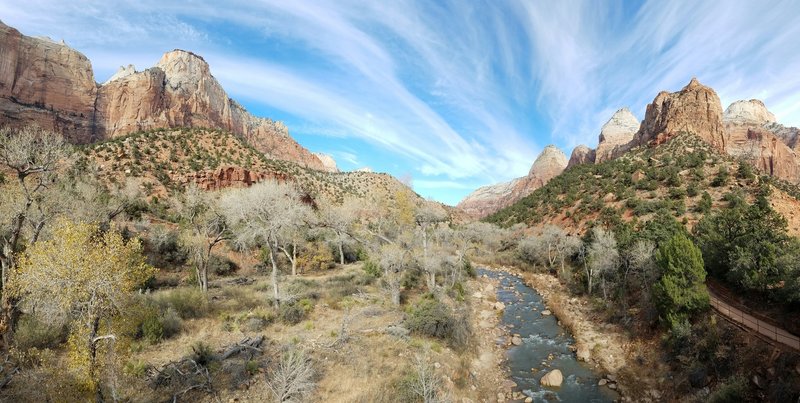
<point>123,72</point>
<point>752,112</point>
<point>619,130</point>
<point>328,162</point>
<point>364,169</point>
<point>549,163</point>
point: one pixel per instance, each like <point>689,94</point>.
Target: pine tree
<point>681,289</point>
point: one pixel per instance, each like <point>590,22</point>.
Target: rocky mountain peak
<point>581,154</point>
<point>695,109</point>
<point>551,159</point>
<point>618,131</point>
<point>183,67</point>
<point>749,112</point>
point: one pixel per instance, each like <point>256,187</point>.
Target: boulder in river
<point>546,312</point>
<point>553,379</point>
<point>516,340</point>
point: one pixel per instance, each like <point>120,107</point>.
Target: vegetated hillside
<point>167,160</point>
<point>685,176</point>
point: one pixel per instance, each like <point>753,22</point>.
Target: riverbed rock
<point>528,399</point>
<point>499,306</point>
<point>583,353</point>
<point>546,312</point>
<point>602,382</point>
<point>516,340</point>
<point>553,379</point>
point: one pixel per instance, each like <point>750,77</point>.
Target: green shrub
<point>372,269</point>
<point>732,391</point>
<point>171,323</point>
<point>293,312</point>
<point>34,333</point>
<point>187,302</point>
<point>152,330</point>
<point>432,318</point>
<point>202,353</point>
<point>221,266</point>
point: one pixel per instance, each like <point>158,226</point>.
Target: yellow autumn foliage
<point>83,273</point>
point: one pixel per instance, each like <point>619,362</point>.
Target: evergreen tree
<point>681,289</point>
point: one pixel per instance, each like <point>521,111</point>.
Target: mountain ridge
<point>52,85</point>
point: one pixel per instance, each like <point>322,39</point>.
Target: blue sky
<point>454,94</point>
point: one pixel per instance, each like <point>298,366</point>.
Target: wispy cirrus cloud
<point>460,93</point>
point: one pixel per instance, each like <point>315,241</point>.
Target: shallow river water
<point>541,337</point>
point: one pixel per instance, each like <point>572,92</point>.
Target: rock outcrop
<point>694,109</point>
<point>616,133</point>
<point>225,177</point>
<point>581,155</point>
<point>489,199</point>
<point>328,162</point>
<point>46,83</point>
<point>752,133</point>
<point>52,85</point>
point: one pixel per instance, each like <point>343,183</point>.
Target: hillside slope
<point>671,177</point>
<point>165,161</point>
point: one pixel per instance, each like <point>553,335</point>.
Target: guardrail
<point>764,329</point>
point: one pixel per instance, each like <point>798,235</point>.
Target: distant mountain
<point>488,199</point>
<point>52,85</point>
<point>746,130</point>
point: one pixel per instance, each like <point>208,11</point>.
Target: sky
<point>451,94</point>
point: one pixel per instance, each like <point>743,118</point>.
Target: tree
<point>33,155</point>
<point>748,245</point>
<point>427,216</point>
<point>602,257</point>
<point>681,290</point>
<point>86,275</point>
<point>394,261</point>
<point>339,218</point>
<point>205,228</point>
<point>266,214</point>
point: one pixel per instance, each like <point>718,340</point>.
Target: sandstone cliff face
<point>52,85</point>
<point>617,132</point>
<point>695,109</point>
<point>752,133</point>
<point>581,155</point>
<point>225,177</point>
<point>47,83</point>
<point>489,199</point>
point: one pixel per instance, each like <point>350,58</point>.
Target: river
<point>545,346</point>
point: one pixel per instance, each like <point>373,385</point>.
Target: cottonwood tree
<point>205,228</point>
<point>33,156</point>
<point>339,219</point>
<point>427,216</point>
<point>85,275</point>
<point>559,245</point>
<point>602,257</point>
<point>394,260</point>
<point>265,215</point>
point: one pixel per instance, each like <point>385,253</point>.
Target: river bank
<point>633,364</point>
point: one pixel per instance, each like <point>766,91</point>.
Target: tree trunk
<point>274,275</point>
<point>341,251</point>
<point>95,326</point>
